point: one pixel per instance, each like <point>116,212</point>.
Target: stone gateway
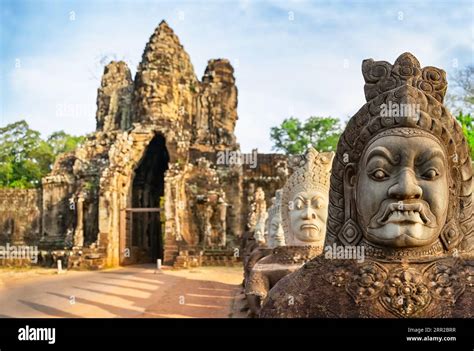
<point>148,184</point>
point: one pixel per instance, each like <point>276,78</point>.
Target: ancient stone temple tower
<point>146,184</point>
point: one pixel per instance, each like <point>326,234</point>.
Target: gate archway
<point>142,223</point>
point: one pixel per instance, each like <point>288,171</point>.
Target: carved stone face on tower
<point>305,199</point>
<point>402,177</point>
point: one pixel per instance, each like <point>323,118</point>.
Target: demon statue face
<point>402,170</point>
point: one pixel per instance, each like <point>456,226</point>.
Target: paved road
<point>135,291</point>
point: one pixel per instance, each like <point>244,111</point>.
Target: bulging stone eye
<point>298,204</point>
<point>379,174</point>
<point>317,203</point>
<point>430,174</point>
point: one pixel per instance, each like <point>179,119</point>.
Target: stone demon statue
<point>401,192</point>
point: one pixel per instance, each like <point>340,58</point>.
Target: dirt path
<point>137,291</point>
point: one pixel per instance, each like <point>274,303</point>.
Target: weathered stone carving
<point>306,196</point>
<point>213,209</point>
<point>276,238</point>
<point>222,215</point>
<point>304,207</point>
<point>218,98</point>
<point>165,83</point>
<point>252,217</point>
<point>207,202</point>
<point>261,216</point>
<point>114,97</point>
<point>144,155</point>
<point>163,101</point>
<point>401,193</point>
<point>20,216</point>
<point>276,235</point>
<point>253,244</point>
<point>208,212</point>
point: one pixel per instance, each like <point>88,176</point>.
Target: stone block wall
<point>20,216</point>
<point>270,174</point>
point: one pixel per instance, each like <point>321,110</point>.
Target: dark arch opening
<point>147,192</point>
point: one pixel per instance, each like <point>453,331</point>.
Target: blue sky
<point>298,58</point>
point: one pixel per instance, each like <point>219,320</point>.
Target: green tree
<point>467,124</point>
<point>17,141</point>
<point>25,158</point>
<point>61,142</point>
<point>460,101</point>
<point>294,136</point>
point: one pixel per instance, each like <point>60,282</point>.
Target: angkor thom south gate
<point>146,184</point>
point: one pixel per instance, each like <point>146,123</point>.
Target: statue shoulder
<point>258,283</point>
<point>291,296</point>
<point>259,253</point>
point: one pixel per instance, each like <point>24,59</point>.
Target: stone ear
<point>350,172</point>
<point>350,233</point>
<point>349,182</point>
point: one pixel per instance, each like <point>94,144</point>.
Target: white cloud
<point>283,66</point>
<point>53,94</point>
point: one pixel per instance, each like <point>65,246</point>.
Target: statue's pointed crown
<point>311,171</point>
<point>312,168</point>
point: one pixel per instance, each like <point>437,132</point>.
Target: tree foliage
<point>467,123</point>
<point>461,91</point>
<point>294,136</point>
<point>461,101</point>
<point>25,157</point>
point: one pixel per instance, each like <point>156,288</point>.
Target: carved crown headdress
<point>310,171</point>
<point>404,82</point>
<point>381,76</point>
